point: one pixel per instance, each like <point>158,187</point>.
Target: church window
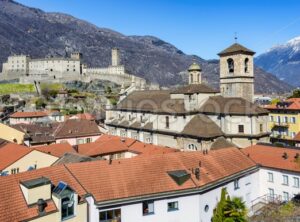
<point>230,64</point>
<point>246,64</point>
<point>241,128</point>
<point>167,122</point>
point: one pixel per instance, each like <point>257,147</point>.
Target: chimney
<point>42,204</point>
<point>110,159</point>
<point>197,173</point>
<point>297,156</point>
<point>285,155</point>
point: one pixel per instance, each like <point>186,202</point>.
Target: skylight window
<point>179,176</point>
<point>60,188</point>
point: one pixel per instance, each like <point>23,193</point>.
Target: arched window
<point>230,64</point>
<point>246,64</point>
<point>192,78</point>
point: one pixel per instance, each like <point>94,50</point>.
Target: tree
<point>228,210</point>
<point>218,215</point>
<point>235,210</point>
<point>296,94</point>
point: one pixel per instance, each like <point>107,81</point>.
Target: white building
<point>176,186</point>
<point>195,117</point>
<point>279,173</point>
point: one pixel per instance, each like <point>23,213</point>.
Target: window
<point>246,63</point>
<point>14,171</point>
<point>296,182</point>
<point>286,196</point>
<point>88,140</point>
<point>167,122</point>
<point>206,208</point>
<point>293,119</point>
<point>192,147</point>
<point>241,128</point>
<point>236,184</point>
<point>191,78</point>
<point>261,128</point>
<point>230,64</point>
<point>285,180</point>
<point>173,206</point>
<point>271,194</point>
<point>110,215</point>
<point>272,118</point>
<point>67,207</point>
<point>278,119</point>
<point>148,207</point>
<point>270,177</point>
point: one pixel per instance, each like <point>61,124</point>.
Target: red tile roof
<point>272,157</point>
<point>77,128</point>
<point>57,150</point>
<point>147,175</point>
<point>28,114</point>
<point>297,137</point>
<point>108,144</point>
<point>86,116</point>
<point>12,152</point>
<point>127,178</point>
<point>294,104</point>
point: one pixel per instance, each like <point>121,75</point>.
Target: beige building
<point>16,158</point>
<point>11,134</point>
<point>194,117</point>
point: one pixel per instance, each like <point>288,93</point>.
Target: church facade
<point>195,116</point>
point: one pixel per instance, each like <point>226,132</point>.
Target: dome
<point>195,67</point>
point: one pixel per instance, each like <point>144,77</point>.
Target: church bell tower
<point>237,72</point>
<point>195,74</point>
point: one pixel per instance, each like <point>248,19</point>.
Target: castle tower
<point>115,57</point>
<point>195,76</point>
<point>76,55</point>
<point>236,72</point>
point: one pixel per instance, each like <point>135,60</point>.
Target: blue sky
<point>200,27</point>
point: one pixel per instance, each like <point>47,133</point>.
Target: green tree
<point>229,210</point>
<point>296,94</point>
<point>218,215</point>
<point>40,103</point>
<point>235,210</point>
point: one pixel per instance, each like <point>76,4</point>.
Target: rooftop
<point>122,179</point>
<point>236,48</point>
<point>194,88</point>
<point>58,149</point>
<point>28,114</point>
<point>289,104</point>
<point>77,128</point>
<point>275,157</point>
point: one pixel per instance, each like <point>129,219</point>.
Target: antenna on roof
<point>235,37</point>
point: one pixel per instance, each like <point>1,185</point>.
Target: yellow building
<point>11,134</point>
<point>284,121</point>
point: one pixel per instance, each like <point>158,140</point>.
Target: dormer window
<point>68,200</point>
<point>230,64</point>
<point>246,65</point>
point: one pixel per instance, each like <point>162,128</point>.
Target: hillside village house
<point>284,121</point>
<point>72,131</point>
<point>35,117</point>
<point>195,116</point>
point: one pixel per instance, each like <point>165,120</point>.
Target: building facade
<point>284,121</point>
<point>192,117</point>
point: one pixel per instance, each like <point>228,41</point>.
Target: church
<point>195,116</point>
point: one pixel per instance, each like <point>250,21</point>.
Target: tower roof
<point>236,48</point>
<point>194,67</point>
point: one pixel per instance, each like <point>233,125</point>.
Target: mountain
<point>283,61</point>
<point>37,33</point>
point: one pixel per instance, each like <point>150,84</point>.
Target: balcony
<point>280,124</point>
